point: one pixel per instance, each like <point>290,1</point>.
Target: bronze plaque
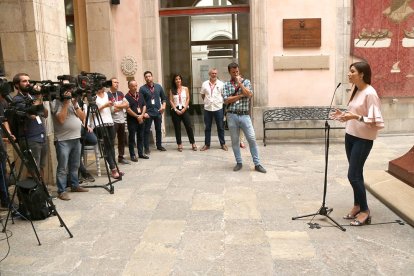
<point>304,32</point>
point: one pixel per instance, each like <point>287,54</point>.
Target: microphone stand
<point>324,210</point>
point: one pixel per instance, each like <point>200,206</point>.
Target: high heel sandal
<point>351,216</point>
<point>366,221</point>
<point>194,146</point>
<point>180,148</point>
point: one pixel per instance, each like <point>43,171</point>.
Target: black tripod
<point>324,210</point>
<point>28,161</point>
<point>104,143</point>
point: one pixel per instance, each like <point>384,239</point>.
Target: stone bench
<point>273,118</point>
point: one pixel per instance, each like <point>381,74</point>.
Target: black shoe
<point>144,156</point>
<point>237,167</point>
<point>161,148</point>
<point>147,151</point>
<point>134,159</point>
<point>124,161</point>
<point>88,177</point>
<point>260,168</point>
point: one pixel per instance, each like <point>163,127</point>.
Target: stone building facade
<point>47,38</point>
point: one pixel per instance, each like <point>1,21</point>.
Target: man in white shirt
<point>212,94</point>
<point>118,112</point>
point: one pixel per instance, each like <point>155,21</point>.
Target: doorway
<point>194,39</point>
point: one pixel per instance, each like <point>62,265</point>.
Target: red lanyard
<point>179,95</point>
<point>212,88</point>
<point>236,87</point>
<point>152,90</point>
<point>136,98</point>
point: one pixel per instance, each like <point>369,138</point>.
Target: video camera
<point>55,90</point>
<point>5,88</point>
<point>92,82</point>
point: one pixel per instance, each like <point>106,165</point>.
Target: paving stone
<point>188,213</point>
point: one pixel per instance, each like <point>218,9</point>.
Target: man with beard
<point>237,93</point>
<point>155,101</point>
<point>33,134</point>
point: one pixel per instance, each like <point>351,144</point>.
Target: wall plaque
<point>304,32</point>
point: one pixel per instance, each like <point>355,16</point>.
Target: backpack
<point>33,200</point>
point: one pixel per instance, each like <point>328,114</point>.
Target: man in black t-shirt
<point>135,121</point>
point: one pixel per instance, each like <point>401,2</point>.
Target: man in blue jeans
<point>212,94</point>
<point>67,122</point>
<point>237,93</point>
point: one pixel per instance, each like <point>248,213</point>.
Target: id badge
<point>139,110</point>
<point>153,101</point>
<point>39,121</point>
<point>180,106</point>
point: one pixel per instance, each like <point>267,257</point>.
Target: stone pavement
<point>188,213</point>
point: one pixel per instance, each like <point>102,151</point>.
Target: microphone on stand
<point>333,96</point>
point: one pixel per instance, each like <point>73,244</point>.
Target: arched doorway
<point>197,36</point>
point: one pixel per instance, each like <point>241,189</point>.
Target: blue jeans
<point>243,122</point>
<point>68,158</point>
<point>208,121</point>
<point>135,135</point>
<point>357,151</point>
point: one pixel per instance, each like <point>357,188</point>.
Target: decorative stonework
<point>129,66</point>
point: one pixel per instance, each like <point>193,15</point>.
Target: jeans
<point>107,134</point>
<point>208,120</point>
<point>157,122</point>
<point>120,133</point>
<point>357,151</point>
<point>185,118</point>
<point>135,132</point>
<point>243,122</point>
<point>68,158</point>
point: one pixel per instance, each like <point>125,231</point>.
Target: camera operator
<point>4,193</point>
<point>67,121</point>
<point>34,131</point>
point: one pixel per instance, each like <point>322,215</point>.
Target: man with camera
<point>33,133</point>
<point>67,121</point>
<point>4,194</point>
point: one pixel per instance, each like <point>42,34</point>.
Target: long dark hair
<point>361,67</point>
<point>173,85</point>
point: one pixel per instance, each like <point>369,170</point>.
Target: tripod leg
<point>62,223</point>
<point>337,224</point>
<point>305,216</point>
